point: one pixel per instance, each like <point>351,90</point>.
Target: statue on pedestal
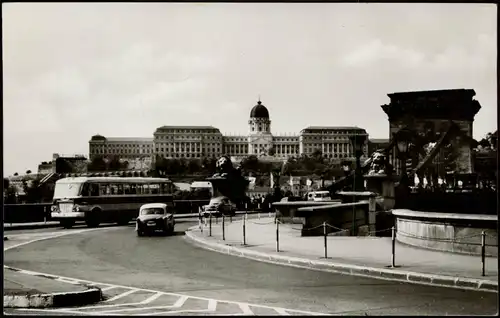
<point>380,164</point>
<point>228,181</point>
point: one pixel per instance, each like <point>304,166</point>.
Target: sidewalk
<point>355,255</point>
<point>24,289</point>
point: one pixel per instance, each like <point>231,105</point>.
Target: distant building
<point>375,144</point>
<point>47,167</point>
<point>126,148</point>
<point>208,142</point>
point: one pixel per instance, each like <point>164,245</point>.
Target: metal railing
<point>325,226</point>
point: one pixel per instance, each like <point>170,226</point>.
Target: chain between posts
<point>393,230</point>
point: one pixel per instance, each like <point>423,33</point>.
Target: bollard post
<point>324,234</point>
<point>393,254</point>
<point>244,230</point>
<point>223,228</point>
<point>277,235</point>
<point>210,224</point>
<point>483,252</point>
<point>45,215</point>
<point>258,206</point>
<point>270,209</point>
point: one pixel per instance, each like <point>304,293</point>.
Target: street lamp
<point>403,138</point>
<point>358,142</point>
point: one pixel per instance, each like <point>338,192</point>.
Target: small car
<point>219,206</point>
<point>153,217</point>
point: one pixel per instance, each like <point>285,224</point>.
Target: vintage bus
<point>98,200</point>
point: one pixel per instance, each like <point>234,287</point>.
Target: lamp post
<point>402,141</point>
<point>357,142</point>
<point>403,138</point>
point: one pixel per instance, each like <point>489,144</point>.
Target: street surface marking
<point>122,295</point>
<point>245,309</point>
<point>138,308</point>
<point>180,302</point>
<point>240,308</point>
<point>150,299</point>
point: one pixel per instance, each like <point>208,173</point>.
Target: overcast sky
<point>72,70</point>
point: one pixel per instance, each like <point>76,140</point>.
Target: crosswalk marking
<point>180,302</point>
<point>134,309</point>
<point>122,295</point>
<point>212,305</point>
<point>150,299</point>
<point>165,300</point>
<point>245,309</point>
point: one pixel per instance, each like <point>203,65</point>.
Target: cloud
<point>476,55</point>
<point>375,51</point>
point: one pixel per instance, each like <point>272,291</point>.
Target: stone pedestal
<point>383,186</point>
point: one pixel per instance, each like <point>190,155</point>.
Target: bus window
<point>155,188</point>
<point>146,189</point>
<point>119,188</point>
<point>94,190</point>
<point>133,188</point>
<point>139,188</point>
<point>104,189</point>
<point>85,190</point>
<point>163,188</point>
<point>126,188</point>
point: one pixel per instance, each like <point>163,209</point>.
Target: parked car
<point>153,217</point>
<point>318,196</point>
<point>219,206</point>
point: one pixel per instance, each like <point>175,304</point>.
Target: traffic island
<point>23,289</point>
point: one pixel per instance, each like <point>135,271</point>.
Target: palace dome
<point>259,111</point>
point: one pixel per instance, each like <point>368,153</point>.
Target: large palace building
<point>208,142</point>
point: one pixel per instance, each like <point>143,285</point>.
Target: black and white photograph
<point>232,158</point>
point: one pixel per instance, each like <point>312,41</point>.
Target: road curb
<point>20,226</point>
<point>78,298</point>
<point>364,271</point>
<point>89,296</point>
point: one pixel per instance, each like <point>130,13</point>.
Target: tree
<point>28,171</point>
<point>194,166</point>
<point>271,151</point>
<point>250,163</point>
<point>16,174</point>
<point>97,164</point>
<point>114,164</point>
<point>209,165</point>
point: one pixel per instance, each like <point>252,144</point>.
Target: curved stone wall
<point>458,233</point>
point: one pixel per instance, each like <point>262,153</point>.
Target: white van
<point>319,196</point>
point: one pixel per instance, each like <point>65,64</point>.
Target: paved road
<point>149,275</point>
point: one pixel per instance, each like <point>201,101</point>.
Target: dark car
<point>219,206</point>
<point>153,217</point>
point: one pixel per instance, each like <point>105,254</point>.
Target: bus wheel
<point>67,224</point>
<point>92,219</point>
